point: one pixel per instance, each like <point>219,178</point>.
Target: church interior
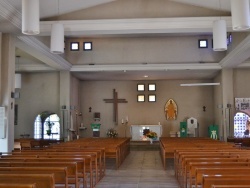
<point>120,75</point>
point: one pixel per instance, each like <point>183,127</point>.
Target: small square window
<point>151,87</point>
<point>74,46</point>
<point>140,98</point>
<point>151,98</point>
<point>203,43</point>
<point>87,46</point>
<point>140,87</point>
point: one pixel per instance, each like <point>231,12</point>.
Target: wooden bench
<point>210,180</point>
<point>72,167</point>
<point>41,180</point>
<point>15,185</point>
<point>60,173</point>
<point>200,172</point>
<point>231,186</point>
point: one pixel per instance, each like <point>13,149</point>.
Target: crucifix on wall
<point>115,102</point>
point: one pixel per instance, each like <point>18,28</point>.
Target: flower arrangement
<point>112,133</point>
<point>152,134</point>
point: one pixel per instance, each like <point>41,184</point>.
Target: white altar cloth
<point>137,131</point>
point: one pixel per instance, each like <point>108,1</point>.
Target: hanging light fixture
<point>219,35</point>
<point>57,37</point>
<point>18,76</point>
<point>240,14</point>
<point>30,17</point>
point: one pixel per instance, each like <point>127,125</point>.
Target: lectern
<point>96,129</point>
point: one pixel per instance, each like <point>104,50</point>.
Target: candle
<point>122,121</point>
<point>127,118</point>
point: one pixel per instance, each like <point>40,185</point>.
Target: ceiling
<point>35,55</point>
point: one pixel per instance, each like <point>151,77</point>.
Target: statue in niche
<point>171,110</point>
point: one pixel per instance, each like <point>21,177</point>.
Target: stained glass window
<point>240,120</point>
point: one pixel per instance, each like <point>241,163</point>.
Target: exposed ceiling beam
<point>136,26</point>
<point>136,67</point>
<point>36,48</point>
<point>238,55</point>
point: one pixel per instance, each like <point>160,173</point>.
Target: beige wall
<point>143,50</point>
<point>39,92</point>
<point>190,102</point>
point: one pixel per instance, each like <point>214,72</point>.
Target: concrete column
<point>7,75</point>
<point>228,102</point>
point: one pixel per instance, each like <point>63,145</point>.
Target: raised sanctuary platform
<point>144,146</point>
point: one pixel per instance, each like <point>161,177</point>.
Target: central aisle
<point>141,169</point>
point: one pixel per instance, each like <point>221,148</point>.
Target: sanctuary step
<point>144,146</point>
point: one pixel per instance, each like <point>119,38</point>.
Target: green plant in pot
<point>49,124</point>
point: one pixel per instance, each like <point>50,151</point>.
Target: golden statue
<point>171,110</point>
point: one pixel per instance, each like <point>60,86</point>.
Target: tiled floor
<point>141,169</point>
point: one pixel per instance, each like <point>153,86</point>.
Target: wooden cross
<point>115,102</point>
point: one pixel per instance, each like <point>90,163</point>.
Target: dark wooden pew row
<point>72,168</point>
<point>60,173</point>
<point>41,180</point>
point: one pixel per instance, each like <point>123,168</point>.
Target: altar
<point>137,131</point>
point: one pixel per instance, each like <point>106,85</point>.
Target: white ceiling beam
<point>238,55</point>
<point>135,26</point>
<point>146,67</point>
<point>37,49</point>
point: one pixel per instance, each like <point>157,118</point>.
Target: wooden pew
<point>210,180</point>
<point>41,180</point>
<point>80,164</point>
<point>72,167</point>
<point>200,172</point>
<point>195,165</point>
<point>231,186</point>
<point>15,185</point>
<point>88,157</point>
<point>60,173</point>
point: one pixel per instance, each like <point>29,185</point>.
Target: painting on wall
<point>242,103</point>
<point>171,110</point>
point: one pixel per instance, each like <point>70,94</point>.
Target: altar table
<point>137,131</point>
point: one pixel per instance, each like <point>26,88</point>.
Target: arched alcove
<point>240,120</point>
<point>41,126</point>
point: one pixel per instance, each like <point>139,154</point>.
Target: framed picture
<point>152,98</point>
<point>140,87</point>
<point>140,98</point>
<point>151,87</point>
